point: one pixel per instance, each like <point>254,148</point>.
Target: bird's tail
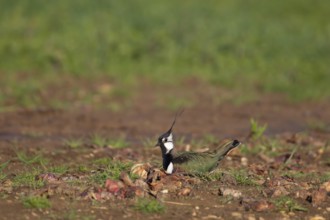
<point>223,150</point>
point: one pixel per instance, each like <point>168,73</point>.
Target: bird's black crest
<point>178,113</point>
<point>235,143</point>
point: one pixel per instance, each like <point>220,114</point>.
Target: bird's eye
<point>164,139</point>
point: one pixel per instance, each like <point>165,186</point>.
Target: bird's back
<point>205,161</point>
<point>196,162</point>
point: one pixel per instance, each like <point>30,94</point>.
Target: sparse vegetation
<point>118,143</point>
<point>212,176</point>
<point>149,206</point>
<point>4,165</point>
<point>28,179</point>
<point>110,170</point>
<point>61,169</point>
<point>74,143</point>
<point>28,160</point>
<point>2,176</point>
<point>256,130</point>
<point>242,177</point>
<point>148,142</point>
<point>99,141</point>
<point>288,204</point>
<point>209,139</point>
<point>36,202</point>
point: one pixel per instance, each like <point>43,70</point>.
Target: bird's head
<point>165,141</point>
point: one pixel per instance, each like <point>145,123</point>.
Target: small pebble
<point>244,161</point>
<point>164,191</point>
<point>317,217</point>
<point>251,217</point>
<point>236,214</point>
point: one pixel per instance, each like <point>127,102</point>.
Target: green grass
<point>256,130</point>
<point>61,169</point>
<point>309,177</point>
<point>2,176</point>
<point>82,168</point>
<point>31,159</point>
<point>36,202</point>
<point>109,169</point>
<point>288,204</point>
<point>4,165</point>
<point>74,143</point>
<point>324,177</point>
<point>28,179</point>
<point>212,176</point>
<point>99,141</point>
<point>149,206</point>
<point>242,178</point>
<point>250,47</point>
<point>318,125</point>
<point>149,142</point>
<point>270,147</point>
<point>116,143</point>
<point>72,214</point>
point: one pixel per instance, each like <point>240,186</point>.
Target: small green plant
<point>256,130</point>
<point>149,142</point>
<point>74,143</point>
<point>212,176</point>
<point>36,202</point>
<point>73,215</point>
<point>149,206</point>
<point>28,179</point>
<point>209,139</point>
<point>242,178</point>
<point>299,175</point>
<point>59,169</point>
<point>4,165</point>
<point>118,143</point>
<point>226,199</point>
<point>318,125</point>
<point>324,177</point>
<point>2,176</point>
<point>37,159</point>
<point>82,168</point>
<point>99,141</point>
<point>102,161</point>
<point>288,204</point>
<point>249,150</point>
<point>112,170</point>
<point>180,141</point>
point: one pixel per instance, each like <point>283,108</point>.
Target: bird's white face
<point>168,143</point>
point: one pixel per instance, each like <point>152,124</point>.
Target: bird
<point>189,161</point>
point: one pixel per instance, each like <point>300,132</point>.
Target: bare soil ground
<point>283,174</point>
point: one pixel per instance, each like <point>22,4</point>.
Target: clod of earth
<point>229,192</point>
<point>319,196</point>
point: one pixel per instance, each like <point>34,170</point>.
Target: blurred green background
<point>263,46</point>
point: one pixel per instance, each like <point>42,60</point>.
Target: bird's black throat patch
<point>167,159</point>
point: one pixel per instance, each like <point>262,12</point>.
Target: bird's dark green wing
<point>185,157</point>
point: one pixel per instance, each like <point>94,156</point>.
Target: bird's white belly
<point>170,168</point>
